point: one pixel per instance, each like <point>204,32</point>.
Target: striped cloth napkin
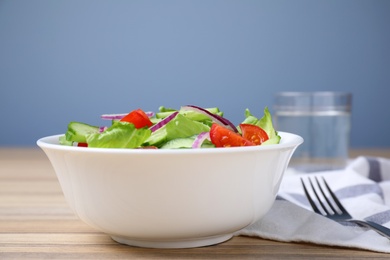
<point>363,188</point>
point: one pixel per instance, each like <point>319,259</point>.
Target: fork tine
<point>330,204</point>
<point>337,216</point>
<point>336,200</point>
<point>320,201</point>
<point>312,203</point>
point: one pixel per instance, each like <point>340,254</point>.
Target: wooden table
<point>36,222</point>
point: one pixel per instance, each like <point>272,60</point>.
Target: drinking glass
<point>323,119</point>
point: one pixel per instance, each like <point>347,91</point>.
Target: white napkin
<point>363,188</point>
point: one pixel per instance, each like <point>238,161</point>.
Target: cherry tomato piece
<point>253,133</point>
<point>223,137</point>
<point>138,117</point>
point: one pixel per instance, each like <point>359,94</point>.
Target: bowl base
<point>188,243</point>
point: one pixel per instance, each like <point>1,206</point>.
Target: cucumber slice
<point>62,140</point>
<point>190,114</point>
<point>181,143</point>
<point>77,132</point>
<point>162,115</point>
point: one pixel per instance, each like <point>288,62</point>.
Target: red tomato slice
<point>138,118</point>
<point>222,137</point>
<point>253,133</point>
<point>82,144</point>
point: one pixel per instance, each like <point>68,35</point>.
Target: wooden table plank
<point>36,223</point>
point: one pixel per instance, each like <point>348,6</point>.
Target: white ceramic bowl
<point>175,198</point>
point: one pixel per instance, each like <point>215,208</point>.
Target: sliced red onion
<point>214,117</point>
<point>149,113</point>
<point>113,116</point>
<point>200,139</point>
<point>120,116</point>
<point>163,122</point>
<point>102,129</point>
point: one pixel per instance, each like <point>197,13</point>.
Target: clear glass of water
<point>323,119</point>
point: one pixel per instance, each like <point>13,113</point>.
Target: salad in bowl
<point>172,179</point>
<point>189,127</point>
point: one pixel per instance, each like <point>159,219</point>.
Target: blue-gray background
<point>74,60</point>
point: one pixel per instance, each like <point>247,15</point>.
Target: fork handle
<point>384,231</point>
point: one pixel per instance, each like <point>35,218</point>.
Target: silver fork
<point>330,207</point>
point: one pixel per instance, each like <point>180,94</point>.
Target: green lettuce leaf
<point>119,135</point>
<point>265,123</point>
<point>62,140</point>
<point>179,127</point>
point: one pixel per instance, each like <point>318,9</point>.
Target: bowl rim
<point>288,140</point>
